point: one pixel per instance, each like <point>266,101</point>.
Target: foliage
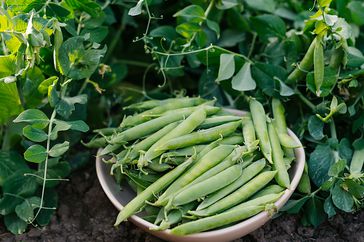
<point>52,75</point>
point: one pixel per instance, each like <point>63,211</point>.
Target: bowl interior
<point>120,196</point>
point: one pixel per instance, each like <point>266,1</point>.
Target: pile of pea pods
<point>197,167</point>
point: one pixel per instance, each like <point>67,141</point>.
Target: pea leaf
<point>34,134</point>
<point>14,224</point>
<point>137,9</point>
<point>60,126</point>
<point>66,106</point>
<point>33,116</point>
<point>319,163</point>
<point>341,198</point>
<point>59,149</point>
<point>262,5</point>
<point>9,101</point>
<point>316,127</point>
<point>355,57</point>
<point>35,153</point>
<point>354,188</point>
<point>20,184</point>
<point>337,168</point>
<point>191,12</point>
<point>357,11</point>
<point>329,207</point>
<point>214,27</point>
<point>25,210</point>
<point>268,26</point>
<point>315,211</point>
<point>330,79</point>
<point>294,206</point>
<point>11,162</point>
<point>226,4</point>
<point>243,80</point>
<point>345,151</point>
<point>226,68</point>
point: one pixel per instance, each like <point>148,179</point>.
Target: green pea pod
<point>217,120</point>
<point>216,221</point>
<point>207,186</point>
<point>258,201</point>
<point>357,161</point>
<point>201,165</point>
<point>304,66</point>
<point>260,124</point>
<point>159,167</point>
<point>319,66</point>
<point>238,196</point>
<point>248,131</point>
<point>201,136</point>
<point>282,176</point>
<point>185,127</point>
<point>139,201</point>
<point>270,189</point>
<point>247,174</point>
<point>131,121</point>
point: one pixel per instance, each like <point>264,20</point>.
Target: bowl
<point>121,197</point>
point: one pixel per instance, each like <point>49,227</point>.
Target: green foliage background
<point>69,65</point>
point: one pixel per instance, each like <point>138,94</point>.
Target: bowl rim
<point>262,216</point>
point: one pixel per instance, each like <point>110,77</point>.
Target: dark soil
<point>85,214</point>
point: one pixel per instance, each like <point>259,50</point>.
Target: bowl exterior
<point>119,197</point>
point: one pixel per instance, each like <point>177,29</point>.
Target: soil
<point>85,214</point>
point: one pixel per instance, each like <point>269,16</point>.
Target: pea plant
<point>307,54</point>
<point>49,53</point>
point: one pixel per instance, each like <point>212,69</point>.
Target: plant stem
<point>305,100</point>
<point>252,45</point>
<point>116,38</point>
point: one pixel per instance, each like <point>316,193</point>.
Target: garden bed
<point>85,214</point>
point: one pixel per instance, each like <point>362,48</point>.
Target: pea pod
<point>281,125</point>
<point>201,136</point>
<point>238,196</point>
<point>218,120</point>
<point>270,189</point>
<point>282,176</point>
<point>139,201</point>
<point>153,125</point>
<point>248,131</point>
<point>258,201</point>
<point>260,124</point>
<point>304,66</point>
<point>207,186</point>
<point>131,121</point>
<point>209,160</point>
<point>247,174</point>
<point>156,103</point>
<point>159,167</point>
<point>216,221</point>
<point>319,66</point>
<point>185,127</point>
<point>357,161</point>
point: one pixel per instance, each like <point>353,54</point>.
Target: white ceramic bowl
<point>121,197</point>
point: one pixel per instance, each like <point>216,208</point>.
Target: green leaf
<point>60,126</point>
<point>137,9</point>
<point>14,224</point>
<point>213,26</point>
<point>9,102</point>
<point>315,211</point>
<point>355,189</point>
<point>66,106</point>
<point>57,10</point>
<point>59,149</point>
<point>316,127</point>
<point>7,66</point>
<point>44,85</point>
<point>330,79</point>
<point>59,170</point>
<point>337,168</point>
<point>11,162</point>
<point>319,163</point>
<point>226,68</point>
<point>294,206</point>
<point>268,26</point>
<point>284,90</point>
<point>25,210</point>
<point>35,153</point>
<point>20,184</point>
<point>355,57</point>
<point>357,11</point>
<point>341,198</point>
<point>262,5</point>
<point>89,6</point>
<point>188,29</point>
<point>34,134</point>
<point>191,12</point>
<point>78,62</point>
<point>33,116</point>
<point>329,207</point>
<point>345,151</point>
<point>243,80</point>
